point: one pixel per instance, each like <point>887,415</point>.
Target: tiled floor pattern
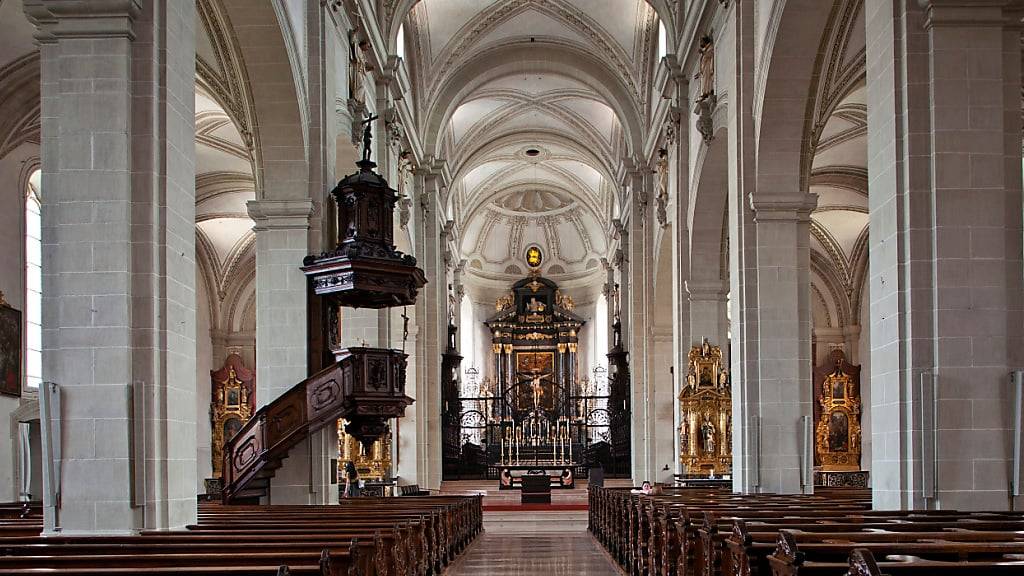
<point>534,554</point>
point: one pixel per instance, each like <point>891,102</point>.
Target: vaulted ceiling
<point>838,170</point>
<point>534,144</point>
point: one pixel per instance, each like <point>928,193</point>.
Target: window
<point>400,42</point>
<point>662,41</point>
<point>33,284</point>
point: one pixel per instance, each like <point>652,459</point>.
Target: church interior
<point>509,287</point>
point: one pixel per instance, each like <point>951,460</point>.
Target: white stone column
<point>119,260</point>
<point>784,343</point>
<point>944,150</point>
<point>431,320</point>
<point>743,254</point>
<point>282,230</point>
<point>650,350</point>
<point>282,238</point>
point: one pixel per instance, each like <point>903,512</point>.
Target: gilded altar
<point>705,414</point>
<point>233,390</point>
<point>372,464</point>
<point>837,434</point>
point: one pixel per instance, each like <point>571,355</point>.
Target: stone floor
<point>533,553</point>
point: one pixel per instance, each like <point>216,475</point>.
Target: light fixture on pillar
<point>364,270</point>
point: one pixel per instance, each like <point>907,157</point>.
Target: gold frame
<point>374,465</point>
<point>705,414</point>
<point>839,395</point>
<point>221,411</point>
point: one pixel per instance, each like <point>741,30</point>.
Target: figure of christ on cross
<point>536,388</point>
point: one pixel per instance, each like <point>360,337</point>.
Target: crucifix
<point>368,135</point>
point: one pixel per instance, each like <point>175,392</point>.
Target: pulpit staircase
<point>366,386</point>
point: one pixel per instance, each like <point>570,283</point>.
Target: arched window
<point>662,41</point>
<point>400,42</point>
<point>601,326</point>
<point>33,283</point>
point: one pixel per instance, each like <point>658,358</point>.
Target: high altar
<point>534,340</point>
<point>537,414</point>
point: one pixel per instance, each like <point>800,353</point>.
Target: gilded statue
<point>707,431</point>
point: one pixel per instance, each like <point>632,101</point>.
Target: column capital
<point>55,19</point>
<point>280,214</point>
<point>964,13</point>
<point>796,207</point>
<point>707,290</point>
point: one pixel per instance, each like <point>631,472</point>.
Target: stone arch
<point>278,131</point>
<point>707,218</point>
<point>825,279</point>
<point>544,57</point>
<point>786,80</point>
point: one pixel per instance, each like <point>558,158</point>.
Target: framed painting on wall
<point>10,349</point>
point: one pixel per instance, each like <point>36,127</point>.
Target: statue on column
<point>405,168</point>
<point>706,99</point>
<point>357,69</point>
<point>661,201</point>
<point>706,71</point>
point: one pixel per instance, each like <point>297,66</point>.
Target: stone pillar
<point>119,260</point>
<point>282,237</point>
<point>431,320</point>
<point>282,228</point>
<point>944,149</point>
<point>743,254</point>
<point>784,343</point>
<point>708,318</point>
<point>653,435</point>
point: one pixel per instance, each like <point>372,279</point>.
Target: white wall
<point>12,284</point>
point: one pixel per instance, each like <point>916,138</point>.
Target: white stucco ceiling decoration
<point>533,147</point>
<point>569,234</point>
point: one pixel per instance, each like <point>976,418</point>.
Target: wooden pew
<point>940,559</point>
<point>363,537</point>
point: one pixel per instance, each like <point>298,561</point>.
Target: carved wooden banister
<point>366,386</point>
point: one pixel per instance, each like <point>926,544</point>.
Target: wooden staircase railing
<point>366,386</point>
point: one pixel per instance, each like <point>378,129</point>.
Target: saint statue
<point>357,69</point>
<point>707,431</point>
<point>404,172</point>
<point>661,201</point>
<point>706,72</point>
